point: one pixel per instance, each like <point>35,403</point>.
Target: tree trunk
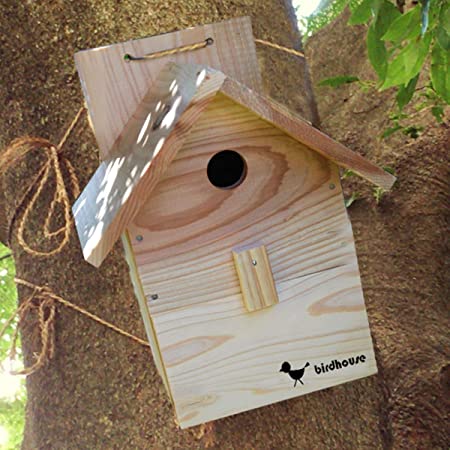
<point>101,390</point>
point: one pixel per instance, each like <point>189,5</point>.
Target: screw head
<point>139,238</point>
<point>154,297</point>
<point>332,186</point>
<point>254,262</point>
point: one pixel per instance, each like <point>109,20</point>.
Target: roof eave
<point>305,133</point>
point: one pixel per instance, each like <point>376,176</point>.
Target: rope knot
<point>54,164</point>
<point>41,301</point>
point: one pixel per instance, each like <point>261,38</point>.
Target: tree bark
<point>101,390</point>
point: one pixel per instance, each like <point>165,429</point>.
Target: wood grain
<point>301,130</point>
<point>146,318</point>
<point>220,359</point>
<point>255,278</point>
<point>140,156</point>
<point>114,88</point>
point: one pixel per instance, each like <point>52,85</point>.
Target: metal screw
<point>154,297</point>
<point>332,186</point>
<point>139,238</point>
<point>254,262</point>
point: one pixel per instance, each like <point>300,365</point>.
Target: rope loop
<point>54,163</point>
<point>44,301</point>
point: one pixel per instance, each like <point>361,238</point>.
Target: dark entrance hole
<point>226,169</point>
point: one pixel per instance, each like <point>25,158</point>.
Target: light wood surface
<point>146,318</point>
<point>154,134</point>
<point>255,278</point>
<point>140,156</point>
<point>301,130</point>
<point>220,359</point>
<point>113,88</point>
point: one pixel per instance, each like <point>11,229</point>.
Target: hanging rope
<point>18,149</point>
<point>199,45</point>
<point>172,51</point>
<point>45,307</point>
<point>291,51</point>
<point>44,300</point>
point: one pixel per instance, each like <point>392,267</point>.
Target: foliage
<point>349,201</point>
<point>377,192</point>
<point>12,394</point>
<point>401,47</point>
<point>326,12</point>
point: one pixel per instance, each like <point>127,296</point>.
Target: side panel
<point>149,327</point>
<point>219,358</point>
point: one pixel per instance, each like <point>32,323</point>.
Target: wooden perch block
<point>255,278</point>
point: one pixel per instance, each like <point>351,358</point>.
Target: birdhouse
<point>240,249</point>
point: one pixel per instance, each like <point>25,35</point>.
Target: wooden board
<point>141,155</point>
<point>301,130</point>
<point>113,88</point>
<point>219,359</point>
<point>149,327</point>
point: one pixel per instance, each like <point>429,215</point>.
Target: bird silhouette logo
<point>295,374</point>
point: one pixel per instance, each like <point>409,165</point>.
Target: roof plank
<point>305,133</point>
<point>140,155</point>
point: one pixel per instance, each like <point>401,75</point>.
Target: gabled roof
<point>157,130</point>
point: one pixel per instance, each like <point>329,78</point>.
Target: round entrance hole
<point>226,169</point>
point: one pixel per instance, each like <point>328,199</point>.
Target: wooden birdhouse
<point>240,249</point>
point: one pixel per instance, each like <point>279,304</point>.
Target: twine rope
<point>198,45</point>
<point>172,51</point>
<point>18,149</point>
<point>291,51</point>
<point>42,298</point>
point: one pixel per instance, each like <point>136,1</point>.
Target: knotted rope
<point>44,300</point>
<point>41,301</point>
<point>18,149</point>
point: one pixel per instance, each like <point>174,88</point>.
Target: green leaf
<point>378,194</point>
<point>438,113</point>
<point>386,14</point>
<point>407,64</point>
<point>389,170</point>
<point>347,173</point>
<point>404,94</point>
<point>407,26</point>
<point>444,17</point>
<point>350,200</point>
<point>377,53</point>
<point>376,49</point>
<point>443,37</point>
<point>390,131</point>
<point>413,131</point>
<point>425,16</point>
<point>440,75</point>
<point>338,81</point>
<point>362,13</point>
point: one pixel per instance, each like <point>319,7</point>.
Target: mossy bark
<point>102,390</point>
